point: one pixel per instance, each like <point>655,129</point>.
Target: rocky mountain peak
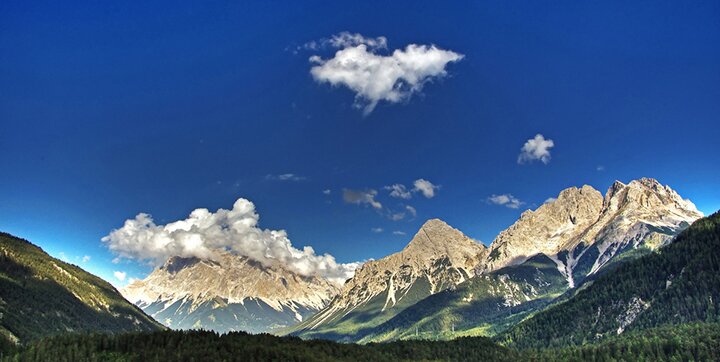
<point>435,237</point>
<point>438,257</point>
<point>548,229</point>
<point>642,212</point>
<point>646,195</point>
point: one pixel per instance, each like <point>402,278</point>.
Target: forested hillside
<point>41,296</point>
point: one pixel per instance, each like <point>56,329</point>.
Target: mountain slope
<point>579,235</point>
<point>438,257</point>
<point>41,295</point>
<point>679,284</point>
<point>230,293</point>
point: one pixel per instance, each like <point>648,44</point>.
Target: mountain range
<point>443,284</point>
<point>542,256</point>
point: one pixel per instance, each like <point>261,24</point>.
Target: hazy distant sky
<point>467,111</point>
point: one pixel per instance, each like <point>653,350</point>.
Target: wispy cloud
<point>86,258</point>
<point>536,149</point>
<point>411,210</point>
<point>377,230</point>
<point>285,177</point>
<point>375,77</point>
<point>506,200</point>
<point>360,197</point>
<point>402,233</point>
<point>399,191</point>
<point>327,191</point>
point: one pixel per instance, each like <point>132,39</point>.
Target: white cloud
<point>119,275</point>
<point>377,230</point>
<point>426,187</point>
<point>507,200</point>
<point>399,233</point>
<point>549,200</point>
<point>537,148</point>
<point>399,191</point>
<point>375,77</point>
<point>86,258</point>
<point>285,177</point>
<point>411,210</point>
<point>361,197</point>
<point>327,191</point>
<point>204,233</point>
<point>600,168</point>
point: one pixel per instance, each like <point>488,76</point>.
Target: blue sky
<point>109,110</point>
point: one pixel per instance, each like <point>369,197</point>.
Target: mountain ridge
<point>41,296</point>
<point>228,293</point>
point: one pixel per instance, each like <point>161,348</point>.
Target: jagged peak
<point>647,182</point>
<point>177,263</point>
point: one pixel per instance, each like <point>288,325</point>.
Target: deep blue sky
<point>110,109</point>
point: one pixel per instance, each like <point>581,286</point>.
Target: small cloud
<point>119,275</point>
<point>506,200</point>
<point>63,257</point>
<point>327,191</point>
<point>361,197</point>
<point>399,191</point>
<point>86,258</point>
<point>377,230</point>
<point>426,187</point>
<point>411,210</point>
<point>285,177</point>
<point>402,233</point>
<point>549,200</point>
<point>116,260</point>
<point>537,148</point>
<point>600,168</point>
<point>396,216</point>
<point>376,77</point>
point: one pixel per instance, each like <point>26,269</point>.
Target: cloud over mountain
<point>204,233</point>
<point>375,77</point>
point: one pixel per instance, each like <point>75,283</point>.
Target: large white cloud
<point>375,77</point>
<point>537,148</point>
<point>204,233</point>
